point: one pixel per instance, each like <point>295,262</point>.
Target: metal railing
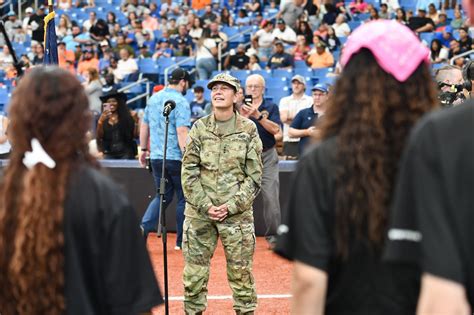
<point>467,53</point>
<point>145,94</point>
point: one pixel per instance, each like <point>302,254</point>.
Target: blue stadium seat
<point>354,24</point>
<point>305,72</point>
<point>321,72</point>
<point>282,73</point>
<point>277,93</point>
<point>241,75</point>
<point>427,37</point>
<point>276,83</point>
<point>230,30</point>
<point>264,73</point>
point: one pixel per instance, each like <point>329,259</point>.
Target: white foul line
<point>229,297</point>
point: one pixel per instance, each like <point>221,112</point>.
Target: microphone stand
<point>162,214</point>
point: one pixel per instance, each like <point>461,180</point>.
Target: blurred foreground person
<point>339,200</point>
<point>433,208</point>
<point>69,239</point>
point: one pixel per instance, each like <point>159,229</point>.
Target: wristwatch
<point>261,117</point>
<point>143,149</point>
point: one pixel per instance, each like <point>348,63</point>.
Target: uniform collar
<point>212,126</point>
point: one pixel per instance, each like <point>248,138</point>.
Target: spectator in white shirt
<point>263,39</point>
<point>341,28</point>
<point>284,33</point>
<point>125,66</point>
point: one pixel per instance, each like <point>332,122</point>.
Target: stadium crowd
<point>110,44</point>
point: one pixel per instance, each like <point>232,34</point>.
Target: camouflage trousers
<point>199,244</point>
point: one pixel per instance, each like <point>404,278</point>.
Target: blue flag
<point>50,41</point>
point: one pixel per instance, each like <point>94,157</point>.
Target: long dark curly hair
<point>49,104</point>
<point>371,113</point>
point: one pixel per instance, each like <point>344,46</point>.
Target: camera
<point>449,97</point>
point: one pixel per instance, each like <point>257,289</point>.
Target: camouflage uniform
<point>220,169</point>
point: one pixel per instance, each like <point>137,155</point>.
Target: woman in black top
<point>338,209</point>
<point>116,128</point>
<point>69,239</point>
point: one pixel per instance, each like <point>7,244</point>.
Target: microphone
<point>169,106</point>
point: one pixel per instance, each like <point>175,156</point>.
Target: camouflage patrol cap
<point>224,78</point>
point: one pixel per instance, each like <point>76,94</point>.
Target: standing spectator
<point>284,33</point>
<point>337,216</point>
<point>153,128</point>
<point>253,6</point>
<point>280,59</point>
<point>263,39</point>
<point>303,125</point>
<point>290,106</point>
<point>321,58</point>
<point>238,60</point>
<point>266,116</point>
<point>222,174</point>
<point>36,22</point>
<point>93,89</point>
<point>116,128</point>
<point>199,104</point>
<point>291,11</point>
<point>79,249</point>
<point>206,53</point>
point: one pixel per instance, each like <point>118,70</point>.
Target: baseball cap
<point>179,74</point>
<point>29,10</point>
<point>224,78</point>
<point>279,42</point>
<point>320,44</point>
<point>42,7</point>
<point>395,47</point>
<point>320,87</point>
<point>280,21</point>
<point>299,78</point>
<point>11,13</point>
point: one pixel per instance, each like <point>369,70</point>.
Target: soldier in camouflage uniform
<point>221,176</point>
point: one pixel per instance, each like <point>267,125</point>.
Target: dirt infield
<point>272,276</point>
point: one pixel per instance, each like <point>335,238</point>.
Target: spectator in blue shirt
<point>303,125</point>
<point>153,129</point>
<point>198,104</point>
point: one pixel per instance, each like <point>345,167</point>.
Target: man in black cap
<point>153,129</point>
<point>280,59</point>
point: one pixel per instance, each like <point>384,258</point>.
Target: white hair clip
<point>37,155</point>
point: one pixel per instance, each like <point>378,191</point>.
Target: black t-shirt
<point>269,108</point>
<point>107,267</point>
<point>362,284</point>
<point>433,208</point>
<point>239,61</point>
<point>416,22</point>
<point>38,33</point>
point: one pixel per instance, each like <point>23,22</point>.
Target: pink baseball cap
<point>396,48</point>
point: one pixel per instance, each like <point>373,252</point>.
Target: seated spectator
<point>226,18</point>
<point>332,41</point>
<point>458,21</point>
<point>321,58</point>
<point>257,19</point>
<point>263,39</point>
<point>199,104</point>
<point>446,36</point>
<point>117,128</point>
<point>454,50</point>
<point>373,13</point>
<point>280,59</point>
<point>384,14</point>
<point>6,58</point>
<point>209,16</point>
<point>99,31</point>
<point>172,27</point>
<point>400,16</point>
<point>253,5</point>
<point>182,36</point>
<point>186,18</point>
<point>182,50</point>
<point>87,24</point>
<point>218,36</point>
<point>341,28</point>
<point>433,13</point>
<point>442,22</point>
<point>254,63</point>
<point>393,5</point>
<point>38,54</point>
<point>421,23</point>
<point>110,84</point>
<point>76,37</point>
<point>321,32</point>
<point>301,50</point>
<point>465,41</point>
<point>149,23</point>
<point>237,61</point>
<point>19,35</point>
<point>242,18</point>
<point>66,58</point>
<point>143,52</point>
<point>64,27</point>
<point>12,23</point>
<point>121,44</point>
<point>305,29</point>
<point>358,6</point>
<point>168,7</point>
<point>86,61</point>
<point>125,66</point>
<point>438,53</point>
<point>196,30</point>
<point>104,61</point>
<point>163,49</point>
<point>284,33</point>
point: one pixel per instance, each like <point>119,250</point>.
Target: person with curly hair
<point>69,238</point>
<point>336,221</point>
